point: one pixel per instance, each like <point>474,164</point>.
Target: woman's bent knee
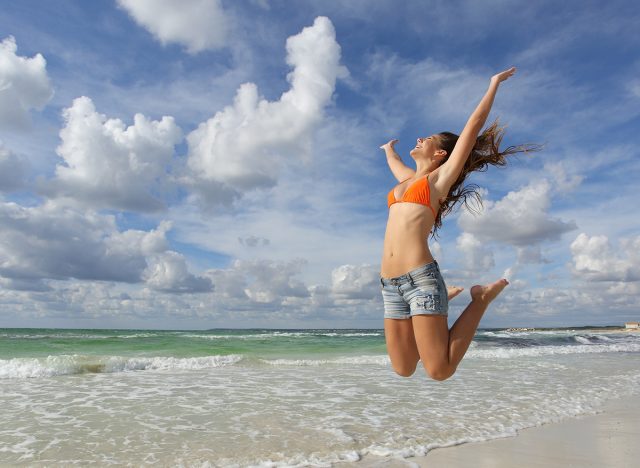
<point>404,371</point>
<point>439,373</point>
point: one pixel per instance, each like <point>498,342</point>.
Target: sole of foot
<point>488,292</point>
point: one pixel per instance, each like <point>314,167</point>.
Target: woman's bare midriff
<point>405,239</point>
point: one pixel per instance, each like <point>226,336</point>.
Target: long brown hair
<point>485,152</point>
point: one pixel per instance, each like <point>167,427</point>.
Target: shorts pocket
<point>427,301</point>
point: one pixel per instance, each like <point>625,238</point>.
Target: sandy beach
<point>607,439</point>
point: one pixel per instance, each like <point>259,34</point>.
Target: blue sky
<point>199,164</point>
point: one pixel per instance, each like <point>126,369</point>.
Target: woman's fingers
<point>389,144</point>
<point>499,77</point>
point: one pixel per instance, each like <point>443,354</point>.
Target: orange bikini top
<point>418,192</point>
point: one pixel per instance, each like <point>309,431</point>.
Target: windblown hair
<point>485,152</point>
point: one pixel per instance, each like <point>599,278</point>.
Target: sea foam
<point>69,364</point>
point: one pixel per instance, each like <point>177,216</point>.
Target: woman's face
<point>425,147</point>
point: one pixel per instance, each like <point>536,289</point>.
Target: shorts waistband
<point>408,277</point>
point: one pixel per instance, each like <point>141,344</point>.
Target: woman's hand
<point>500,77</point>
<point>389,145</point>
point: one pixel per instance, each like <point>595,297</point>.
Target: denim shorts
<point>419,292</point>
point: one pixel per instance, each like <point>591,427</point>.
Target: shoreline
<point>608,438</point>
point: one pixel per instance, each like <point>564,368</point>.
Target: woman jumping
<point>416,300</point>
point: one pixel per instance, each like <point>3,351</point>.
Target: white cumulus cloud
<point>260,281</point>
<point>595,260</point>
<point>168,272</point>
<point>242,147</point>
<point>24,85</point>
<point>107,164</point>
<point>355,281</point>
<point>196,24</point>
<point>521,218</point>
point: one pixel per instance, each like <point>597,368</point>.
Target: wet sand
<point>607,439</point>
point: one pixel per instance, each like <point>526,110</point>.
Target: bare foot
<point>453,291</point>
<point>489,292</point>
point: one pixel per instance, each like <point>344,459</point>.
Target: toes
<point>453,291</point>
<point>488,292</point>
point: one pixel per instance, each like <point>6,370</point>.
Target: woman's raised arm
<point>450,170</point>
<point>399,169</point>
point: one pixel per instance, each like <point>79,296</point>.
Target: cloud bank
<point>57,242</point>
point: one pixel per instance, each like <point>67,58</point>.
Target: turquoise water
<point>286,397</point>
<point>252,343</point>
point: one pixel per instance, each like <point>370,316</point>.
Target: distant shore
<point>590,329</point>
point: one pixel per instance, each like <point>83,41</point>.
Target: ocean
<point>286,397</point>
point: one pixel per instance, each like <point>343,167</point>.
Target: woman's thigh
<point>401,345</point>
<point>431,335</point>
